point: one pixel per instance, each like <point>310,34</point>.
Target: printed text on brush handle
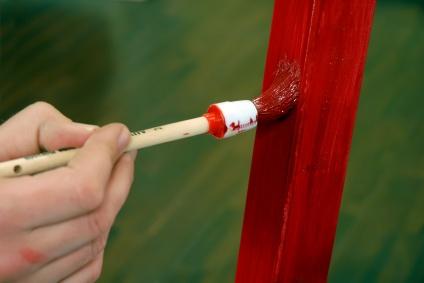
<point>139,139</point>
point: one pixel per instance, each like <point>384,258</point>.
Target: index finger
<point>71,191</point>
<point>95,160</point>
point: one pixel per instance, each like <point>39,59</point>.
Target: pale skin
<point>54,225</point>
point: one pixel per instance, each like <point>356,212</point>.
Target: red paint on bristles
<point>274,102</point>
<point>282,95</point>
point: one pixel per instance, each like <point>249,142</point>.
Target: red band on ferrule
<point>216,121</point>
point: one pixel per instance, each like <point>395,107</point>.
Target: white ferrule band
<point>239,116</point>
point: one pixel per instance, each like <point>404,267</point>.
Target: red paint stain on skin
<point>31,256</point>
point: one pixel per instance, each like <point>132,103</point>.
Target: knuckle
<point>96,271</point>
<point>97,246</point>
<point>44,109</point>
<point>98,224</point>
<point>89,193</point>
<point>42,105</point>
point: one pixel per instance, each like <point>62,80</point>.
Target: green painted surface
<point>380,235</point>
<point>146,63</point>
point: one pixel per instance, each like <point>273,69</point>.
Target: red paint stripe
<point>299,164</point>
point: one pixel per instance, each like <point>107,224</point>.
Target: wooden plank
<point>299,164</point>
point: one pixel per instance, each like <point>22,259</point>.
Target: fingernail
<point>88,127</point>
<point>124,139</point>
<point>133,154</point>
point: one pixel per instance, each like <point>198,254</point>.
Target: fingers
<point>120,184</point>
<point>20,135</point>
<point>55,135</point>
<point>56,218</point>
<point>94,161</point>
<point>89,273</point>
<point>67,192</point>
<point>67,265</point>
<point>59,239</point>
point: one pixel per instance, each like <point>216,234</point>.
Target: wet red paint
<point>299,163</point>
<point>281,96</point>
<point>31,256</point>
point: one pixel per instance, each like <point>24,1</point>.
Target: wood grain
<point>299,164</point>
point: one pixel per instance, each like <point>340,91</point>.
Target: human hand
<point>54,225</point>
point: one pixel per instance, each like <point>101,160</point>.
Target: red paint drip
<point>31,256</point>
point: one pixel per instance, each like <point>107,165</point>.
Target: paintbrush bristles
<point>282,95</point>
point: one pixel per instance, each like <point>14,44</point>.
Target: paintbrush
<point>222,120</point>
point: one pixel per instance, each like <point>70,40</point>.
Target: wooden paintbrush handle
<point>169,132</point>
<point>145,138</point>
